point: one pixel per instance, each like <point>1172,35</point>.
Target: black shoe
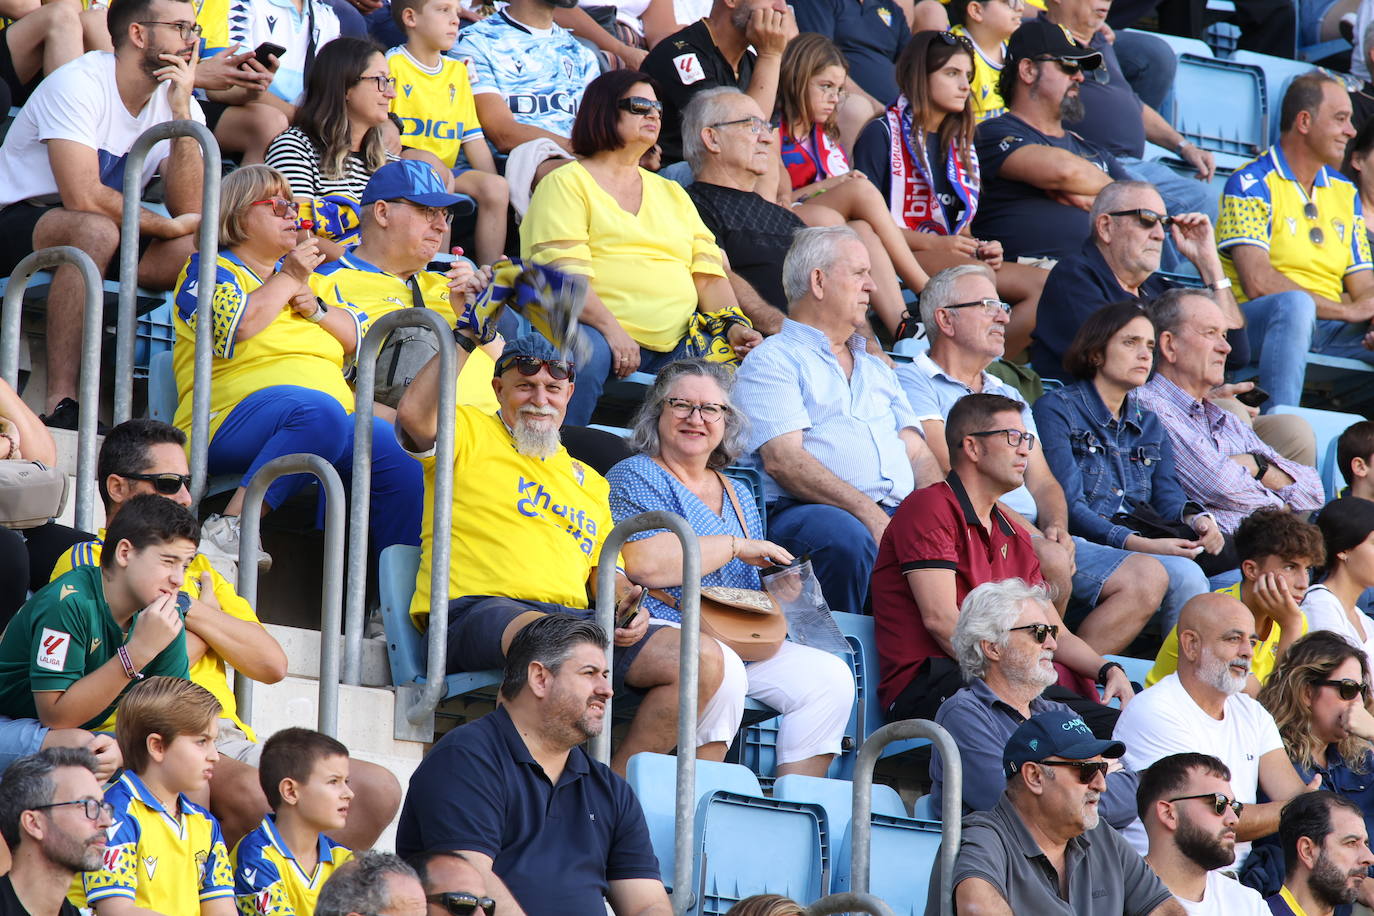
<point>67,415</point>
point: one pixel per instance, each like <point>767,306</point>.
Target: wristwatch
<point>464,341</point>
<point>1223,283</point>
<point>1261,465</point>
<point>319,312</point>
<point>1102,672</point>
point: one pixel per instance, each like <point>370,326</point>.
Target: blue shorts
<point>1095,564</point>
<point>19,738</point>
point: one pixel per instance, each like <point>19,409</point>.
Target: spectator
<point>1221,464</point>
<point>280,866</point>
<point>1326,848</point>
<point>235,87</point>
<point>279,353</point>
<point>1203,704</point>
<point>1359,167</point>
<point>946,540</point>
<point>335,142</point>
<point>933,197</point>
<point>649,262</point>
<point>966,323</point>
<point>621,31</point>
<point>1048,817</point>
<point>1004,643</point>
<point>166,732</point>
<point>766,905</point>
<point>302,27</point>
<point>1190,844</point>
<point>678,470</point>
<point>53,821</point>
<point>520,813</point>
<point>1291,223</point>
<point>374,882</point>
<point>558,510</point>
<point>41,38</point>
<point>839,444</point>
<point>80,125</point>
<point>1355,457</point>
<point>1039,178</point>
<point>1276,551</point>
<point>870,37</point>
<point>439,116</point>
<point>1362,99</point>
<point>988,26</point>
<point>452,882</point>
<point>1347,527</point>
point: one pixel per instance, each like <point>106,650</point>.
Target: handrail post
<point>952,799</point>
<point>849,903</point>
<point>419,711</point>
<point>207,243</point>
<point>92,326</point>
<point>689,642</point>
<point>331,603</point>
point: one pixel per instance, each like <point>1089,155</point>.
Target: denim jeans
<point>1280,327</point>
<point>1342,338</point>
<point>595,368</point>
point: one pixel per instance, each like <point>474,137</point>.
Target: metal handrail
<point>421,709</point>
<point>331,602</point>
<point>91,327</point>
<point>849,903</point>
<point>952,799</point>
<point>688,648</point>
<point>207,243</point>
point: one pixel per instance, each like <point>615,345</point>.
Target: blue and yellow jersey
<point>289,351</point>
<point>213,18</point>
<point>435,106</point>
<point>163,861</point>
<point>987,101</point>
<point>208,671</point>
<point>268,881</point>
<point>1263,205</point>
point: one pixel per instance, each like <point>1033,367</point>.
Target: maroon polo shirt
<point>936,528</point>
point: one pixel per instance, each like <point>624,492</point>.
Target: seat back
<point>753,478</point>
<point>1327,426</point>
<point>1240,126</point>
<point>162,387</point>
<point>902,856</point>
<point>397,568</point>
<point>748,845</point>
<point>1278,73</point>
<point>868,708</point>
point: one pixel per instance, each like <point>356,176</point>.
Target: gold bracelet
<point>734,552</point>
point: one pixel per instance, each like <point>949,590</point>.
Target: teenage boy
<point>438,114</point>
<point>988,24</point>
<point>280,867</point>
<point>1277,551</point>
<point>74,648</point>
<point>165,854</point>
<point>1355,458</point>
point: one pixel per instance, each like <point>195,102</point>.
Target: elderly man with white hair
<point>1004,642</point>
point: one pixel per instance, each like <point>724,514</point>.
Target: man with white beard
<point>528,524</point>
<point>1202,706</point>
<point>1004,643</point>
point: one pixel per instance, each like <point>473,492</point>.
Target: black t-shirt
<point>10,905</point>
<point>682,65</point>
<point>871,33</point>
<point>1021,216</point>
<point>754,234</point>
<point>1112,111</point>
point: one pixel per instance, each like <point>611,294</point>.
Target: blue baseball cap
<point>1057,733</point>
<point>409,180</point>
<point>532,346</point>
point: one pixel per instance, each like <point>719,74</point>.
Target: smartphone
<point>267,49</point>
<point>1254,397</point>
<point>630,614</point>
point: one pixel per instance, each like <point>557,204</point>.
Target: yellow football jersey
<point>268,881</point>
<point>435,106</point>
<point>987,100</point>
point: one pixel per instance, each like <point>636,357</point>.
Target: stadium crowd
<point>750,201</point>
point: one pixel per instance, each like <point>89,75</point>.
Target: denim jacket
<point>1106,465</point>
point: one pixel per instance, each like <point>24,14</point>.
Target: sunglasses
<point>280,208</point>
<point>1315,234</point>
<point>639,105</point>
<point>1219,802</point>
<point>1348,688</point>
<point>949,38</point>
<point>463,904</point>
<point>1148,218</point>
<point>1014,436</point>
<point>163,484</point>
<point>1070,67</point>
<point>527,366</point>
<point>1039,631</point>
<point>1088,770</point>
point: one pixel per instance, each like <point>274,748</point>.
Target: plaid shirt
<point>1204,436</point>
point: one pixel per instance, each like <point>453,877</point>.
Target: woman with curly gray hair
<point>686,431</point>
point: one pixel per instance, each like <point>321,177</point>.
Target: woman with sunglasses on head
<point>650,261</point>
<point>921,157</point>
<point>277,383</point>
<point>686,431</point>
<point>1347,526</point>
<point>337,138</point>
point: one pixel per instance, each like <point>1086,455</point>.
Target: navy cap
<point>531,345</point>
<point>1039,37</point>
<point>409,180</point>
<point>1057,733</point>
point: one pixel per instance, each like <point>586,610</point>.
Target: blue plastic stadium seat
<point>753,478</point>
<point>1181,45</point>
<point>1328,426</point>
<point>1237,127</point>
<point>868,710</point>
<point>162,387</point>
<point>1136,668</point>
<point>1278,73</point>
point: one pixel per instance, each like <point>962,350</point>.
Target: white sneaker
<point>219,543</point>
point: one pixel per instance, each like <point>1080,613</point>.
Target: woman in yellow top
<point>649,259</point>
<point>277,384</point>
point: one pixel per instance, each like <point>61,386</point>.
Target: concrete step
<point>302,647</point>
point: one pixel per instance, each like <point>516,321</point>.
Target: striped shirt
<point>1204,436</point>
<point>333,201</point>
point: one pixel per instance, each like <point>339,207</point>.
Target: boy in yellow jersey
<point>988,24</point>
<point>1277,550</point>
<point>434,102</point>
<point>164,853</point>
<point>280,867</point>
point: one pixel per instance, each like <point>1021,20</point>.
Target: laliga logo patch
<point>52,649</point>
<point>688,69</point>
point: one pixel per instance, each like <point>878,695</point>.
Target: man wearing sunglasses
<point>1044,848</point>
<point>1326,851</point>
<point>1291,226</point>
<point>1190,814</point>
<point>453,885</point>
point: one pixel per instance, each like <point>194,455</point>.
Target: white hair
<point>988,613</point>
<point>706,108</point>
<point>814,248</point>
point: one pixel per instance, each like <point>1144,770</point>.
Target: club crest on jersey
<point>452,91</point>
<point>1340,228</point>
<point>885,15</point>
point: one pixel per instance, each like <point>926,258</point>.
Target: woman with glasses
<point>1114,459</point>
<point>650,261</point>
<point>686,431</point>
<point>921,157</point>
<point>1347,526</point>
<point>277,384</point>
<point>336,140</point>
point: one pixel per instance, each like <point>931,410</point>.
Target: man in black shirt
<point>53,818</point>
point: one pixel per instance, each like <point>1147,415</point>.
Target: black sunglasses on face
<point>163,484</point>
<point>1070,67</point>
<point>639,105</point>
<point>528,365</point>
<point>1039,631</point>
<point>1088,770</point>
<point>1219,802</point>
<point>1348,688</point>
<point>1148,218</point>
<point>463,904</point>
